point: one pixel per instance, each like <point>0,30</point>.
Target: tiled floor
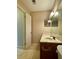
<point>32,52</point>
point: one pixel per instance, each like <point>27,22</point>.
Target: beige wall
<point>21,5</point>
<point>38,25</point>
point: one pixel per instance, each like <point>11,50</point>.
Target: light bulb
<point>56,14</point>
<point>52,13</point>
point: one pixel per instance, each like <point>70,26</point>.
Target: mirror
<point>55,16</point>
<point>53,21</point>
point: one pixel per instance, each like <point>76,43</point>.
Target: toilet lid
<point>59,48</point>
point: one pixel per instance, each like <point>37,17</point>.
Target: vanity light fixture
<point>52,13</point>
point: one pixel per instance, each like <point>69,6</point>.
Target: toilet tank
<point>59,49</point>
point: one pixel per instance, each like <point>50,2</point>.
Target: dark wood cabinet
<point>48,50</point>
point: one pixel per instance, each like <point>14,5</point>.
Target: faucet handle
<point>54,37</point>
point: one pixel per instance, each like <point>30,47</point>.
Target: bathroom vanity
<point>48,47</point>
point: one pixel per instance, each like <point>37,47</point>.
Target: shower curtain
<point>21,29</point>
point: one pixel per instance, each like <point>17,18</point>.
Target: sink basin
<point>51,37</point>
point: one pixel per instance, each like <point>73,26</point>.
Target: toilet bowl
<point>59,49</point>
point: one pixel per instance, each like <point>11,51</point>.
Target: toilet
<point>59,49</point>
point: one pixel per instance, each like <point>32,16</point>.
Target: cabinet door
<point>48,51</point>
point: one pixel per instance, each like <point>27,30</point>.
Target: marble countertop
<point>47,38</point>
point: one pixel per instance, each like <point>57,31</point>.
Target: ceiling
<point>40,5</point>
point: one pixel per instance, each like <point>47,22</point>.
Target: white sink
<point>48,38</point>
